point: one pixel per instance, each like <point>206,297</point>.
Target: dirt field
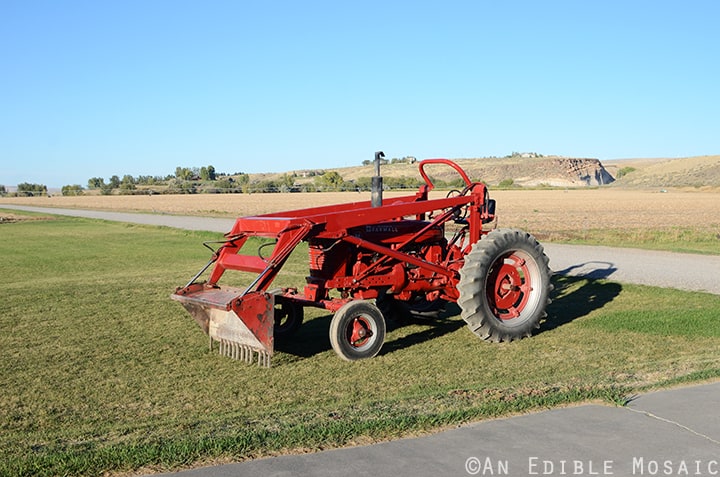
<point>542,212</point>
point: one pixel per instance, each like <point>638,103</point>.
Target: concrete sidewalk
<point>672,432</point>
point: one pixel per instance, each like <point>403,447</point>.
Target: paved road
<point>645,267</point>
<point>673,432</point>
<point>180,222</point>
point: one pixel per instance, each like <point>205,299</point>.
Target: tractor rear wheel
<point>504,286</point>
<point>357,331</point>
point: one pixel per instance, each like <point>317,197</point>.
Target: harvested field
<point>543,212</point>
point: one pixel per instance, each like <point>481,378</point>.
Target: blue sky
<point>97,88</point>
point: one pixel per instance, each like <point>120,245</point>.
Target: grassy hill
<point>686,172</point>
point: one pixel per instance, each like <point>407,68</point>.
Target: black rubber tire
<point>357,331</point>
<point>504,286</point>
<point>288,318</point>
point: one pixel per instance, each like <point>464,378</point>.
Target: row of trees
<point>188,180</point>
<point>27,189</point>
<point>180,182</point>
<point>191,180</point>
<point>394,160</point>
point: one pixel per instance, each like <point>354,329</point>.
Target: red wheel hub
<point>359,332</point>
<point>508,287</point>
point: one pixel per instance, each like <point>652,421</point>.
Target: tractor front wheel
<point>288,318</point>
<point>504,286</point>
<point>357,331</point>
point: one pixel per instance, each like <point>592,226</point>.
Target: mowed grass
<point>102,372</point>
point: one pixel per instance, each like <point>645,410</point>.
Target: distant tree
<point>128,183</point>
<point>225,186</point>
<point>625,171</point>
<point>332,180</point>
<point>114,182</point>
<point>439,183</point>
<point>309,187</point>
<point>182,187</point>
<point>287,182</point>
<point>364,183</point>
<point>75,189</point>
<point>207,173</point>
<point>31,190</point>
<point>406,182</point>
<point>459,183</point>
<point>243,179</point>
<point>183,173</point>
<point>2,190</point>
<point>148,180</point>
<point>261,186</point>
<point>96,183</point>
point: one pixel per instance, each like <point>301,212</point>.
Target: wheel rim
<point>360,332</point>
<point>511,291</point>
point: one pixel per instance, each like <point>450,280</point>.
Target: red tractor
<point>366,259</point>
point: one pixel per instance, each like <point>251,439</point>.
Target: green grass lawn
<point>102,372</point>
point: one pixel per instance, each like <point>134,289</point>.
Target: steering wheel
<point>461,213</point>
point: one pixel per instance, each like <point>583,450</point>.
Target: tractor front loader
<point>364,259</point>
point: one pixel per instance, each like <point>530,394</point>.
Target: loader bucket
<point>241,322</point>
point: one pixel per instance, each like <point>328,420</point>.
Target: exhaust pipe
<point>377,182</point>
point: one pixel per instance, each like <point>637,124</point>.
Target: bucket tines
<point>240,322</point>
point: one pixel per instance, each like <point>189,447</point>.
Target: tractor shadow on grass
<point>577,296</point>
<point>573,298</point>
<point>445,321</point>
<point>312,337</point>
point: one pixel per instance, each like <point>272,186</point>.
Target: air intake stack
<point>377,182</point>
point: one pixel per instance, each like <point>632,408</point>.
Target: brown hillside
<point>556,171</point>
<point>692,172</point>
<point>523,171</point>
